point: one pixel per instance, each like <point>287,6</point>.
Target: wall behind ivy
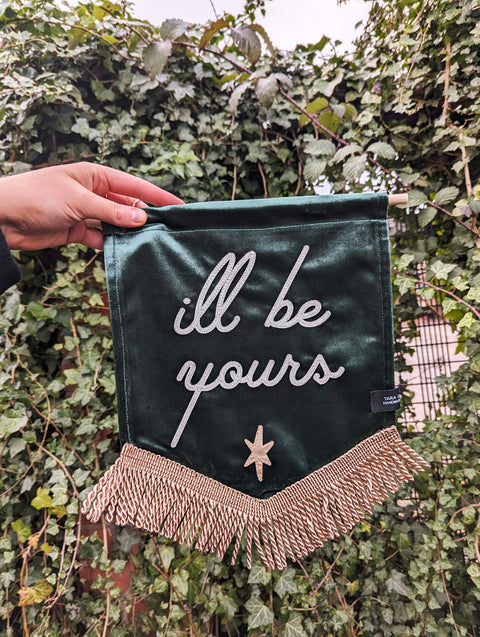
<point>214,112</point>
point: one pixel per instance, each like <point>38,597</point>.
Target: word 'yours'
<point>224,284</point>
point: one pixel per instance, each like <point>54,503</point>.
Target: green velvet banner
<point>240,324</point>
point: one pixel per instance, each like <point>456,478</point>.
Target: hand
<point>64,204</point>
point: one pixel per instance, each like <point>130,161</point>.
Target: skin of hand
<point>64,204</point>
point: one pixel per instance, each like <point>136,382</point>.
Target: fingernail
<point>138,216</point>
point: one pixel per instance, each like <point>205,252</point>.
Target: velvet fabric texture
<point>231,315</point>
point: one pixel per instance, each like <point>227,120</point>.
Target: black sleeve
<point>9,270</point>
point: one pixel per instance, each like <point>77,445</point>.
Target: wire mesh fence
<point>434,354</point>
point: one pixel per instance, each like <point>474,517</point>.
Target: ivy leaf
<point>314,107</point>
<point>340,619</point>
<point>286,582</point>
<point>451,147</point>
<point>15,446</point>
<point>460,283</point>
<point>329,120</point>
<point>294,627</point>
<point>228,605</point>
<point>212,30</point>
<point>167,553</point>
<point>382,149</point>
<point>441,270</point>
<point>173,28</point>
<point>321,44</point>
<point>42,500</point>
<point>467,321</point>
<point>338,109</point>
<point>127,538</point>
<point>41,312</point>
<point>22,530</point>
<point>258,614</point>
<point>101,92</point>
<point>180,581</point>
<point>155,57</point>
<point>404,283</point>
<point>445,195</point>
<point>387,615</point>
<point>9,426</point>
<point>427,292</point>
<point>265,89</point>
<point>404,261</point>
<point>196,567</point>
<point>7,578</point>
<point>283,154</point>
<point>259,574</point>
<point>110,38</point>
<point>426,215</point>
<point>99,13</point>
<point>248,42</point>
<point>396,583</point>
<point>354,167</point>
<point>448,305</point>
<point>350,112</point>
<point>328,86</point>
<point>34,594</point>
<point>474,294</point>
<point>474,571</point>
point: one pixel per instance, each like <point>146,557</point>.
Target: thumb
<point>113,212</point>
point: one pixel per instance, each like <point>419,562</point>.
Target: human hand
<point>63,204</point>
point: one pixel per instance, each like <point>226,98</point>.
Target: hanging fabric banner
<point>254,363</point>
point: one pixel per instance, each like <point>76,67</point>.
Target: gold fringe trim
<point>161,496</point>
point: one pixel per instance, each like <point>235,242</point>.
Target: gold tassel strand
<point>240,532</point>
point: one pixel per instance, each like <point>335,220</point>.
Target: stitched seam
<point>382,308</point>
<point>232,229</point>
<point>122,340</point>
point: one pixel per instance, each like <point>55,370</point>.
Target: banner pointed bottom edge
<point>161,496</point>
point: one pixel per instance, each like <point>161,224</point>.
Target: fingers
<point>93,223</point>
<point>122,199</point>
<point>82,233</point>
<point>99,208</point>
<point>124,184</point>
<point>129,201</point>
<point>93,239</point>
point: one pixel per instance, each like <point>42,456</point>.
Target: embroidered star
<point>259,452</point>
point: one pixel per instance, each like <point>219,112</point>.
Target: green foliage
<point>400,113</point>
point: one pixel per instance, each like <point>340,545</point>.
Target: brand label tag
<point>383,400</point>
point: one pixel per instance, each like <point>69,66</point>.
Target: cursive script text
<point>306,313</point>
<point>223,293</point>
<point>232,374</point>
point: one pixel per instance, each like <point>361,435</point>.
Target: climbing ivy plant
<point>214,111</point>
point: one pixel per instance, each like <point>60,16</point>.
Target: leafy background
<point>215,112</point>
